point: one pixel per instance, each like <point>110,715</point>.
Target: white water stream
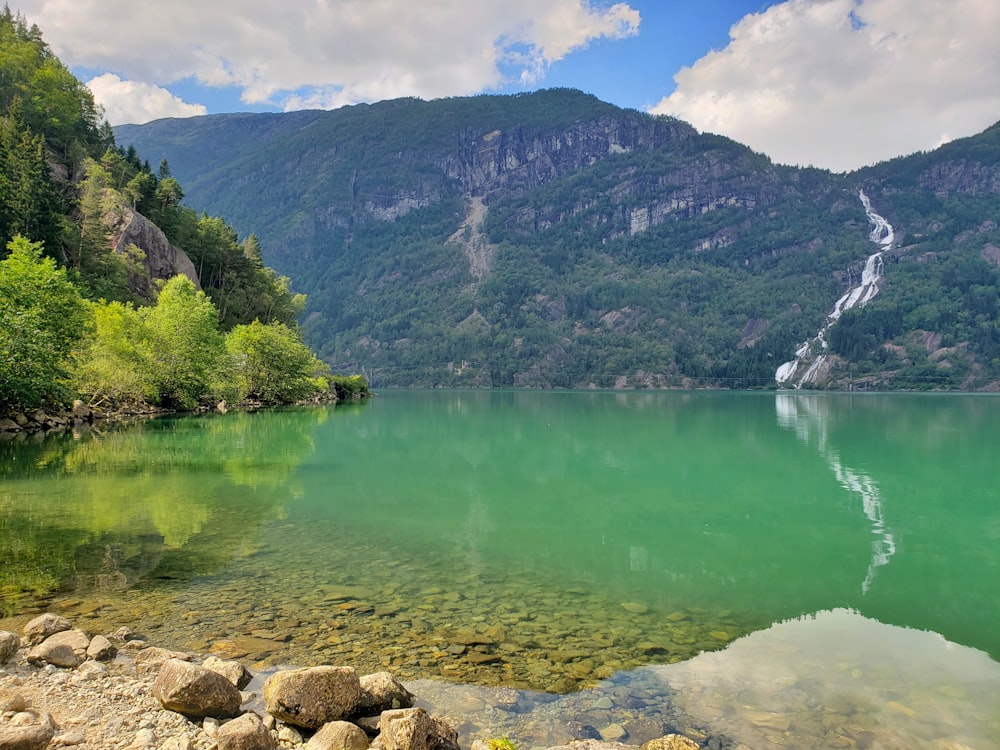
<point>883,235</point>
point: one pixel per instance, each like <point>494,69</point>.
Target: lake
<point>786,569</point>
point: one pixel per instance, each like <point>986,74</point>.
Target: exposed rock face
<point>312,697</point>
<point>162,260</point>
<point>195,691</point>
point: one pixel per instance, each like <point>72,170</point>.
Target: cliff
<point>157,259</point>
<point>552,239</point>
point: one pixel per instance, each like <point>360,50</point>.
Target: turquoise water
<point>548,541</point>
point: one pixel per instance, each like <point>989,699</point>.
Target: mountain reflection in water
<point>834,679</point>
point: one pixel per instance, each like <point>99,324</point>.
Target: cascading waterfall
<point>805,415</point>
<point>883,235</point>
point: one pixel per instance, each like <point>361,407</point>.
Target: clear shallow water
<point>553,542</point>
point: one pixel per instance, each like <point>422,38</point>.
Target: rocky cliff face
<point>158,260</point>
<point>552,239</point>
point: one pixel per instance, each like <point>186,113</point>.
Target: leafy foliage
<point>270,364</point>
<point>41,318</point>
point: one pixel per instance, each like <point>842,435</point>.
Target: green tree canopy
<point>41,318</point>
<point>271,364</point>
<point>185,347</point>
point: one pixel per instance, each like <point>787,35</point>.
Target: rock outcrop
<point>158,259</point>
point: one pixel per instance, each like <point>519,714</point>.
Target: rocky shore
<point>63,687</point>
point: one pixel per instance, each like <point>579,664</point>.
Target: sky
<point>837,84</point>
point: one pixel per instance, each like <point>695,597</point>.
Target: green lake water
<point>793,570</point>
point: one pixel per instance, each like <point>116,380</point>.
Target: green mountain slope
<point>551,239</point>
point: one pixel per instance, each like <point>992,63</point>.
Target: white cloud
<point>327,52</point>
<point>844,83</point>
<point>133,102</point>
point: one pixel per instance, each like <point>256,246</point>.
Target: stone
<point>338,735</point>
<point>12,703</point>
<point>101,649</point>
<point>672,742</point>
<point>27,731</point>
<point>233,671</point>
<point>40,628</point>
<point>613,732</point>
<point>67,648</point>
<point>194,691</point>
<point>9,425</point>
<point>246,732</point>
<point>153,658</point>
<point>415,729</point>
<point>9,644</point>
<point>382,691</point>
<point>313,696</point>
<point>289,735</point>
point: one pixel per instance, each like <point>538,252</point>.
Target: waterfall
<point>883,235</point>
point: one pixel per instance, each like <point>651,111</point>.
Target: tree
<point>271,364</point>
<point>184,345</point>
<point>114,362</point>
<point>41,318</point>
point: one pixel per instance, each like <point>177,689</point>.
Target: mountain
<point>554,240</point>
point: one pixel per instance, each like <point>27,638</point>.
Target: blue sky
<point>832,83</point>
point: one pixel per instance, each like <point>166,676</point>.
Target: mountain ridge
<point>613,246</point>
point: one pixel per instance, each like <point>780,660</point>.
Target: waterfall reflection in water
<point>830,680</point>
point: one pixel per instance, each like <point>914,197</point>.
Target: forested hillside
<point>110,289</point>
<point>551,239</point>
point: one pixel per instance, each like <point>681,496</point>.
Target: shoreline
<point>107,692</point>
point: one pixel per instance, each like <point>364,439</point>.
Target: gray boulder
<point>338,735</point>
<point>40,628</point>
<point>194,691</point>
<point>9,644</point>
<point>233,671</point>
<point>313,696</point>
<point>415,729</point>
<point>381,692</point>
<point>246,732</point>
<point>67,648</point>
<point>101,649</point>
<point>27,730</point>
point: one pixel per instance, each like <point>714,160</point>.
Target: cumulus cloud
<point>134,102</point>
<point>845,83</point>
<point>327,52</point>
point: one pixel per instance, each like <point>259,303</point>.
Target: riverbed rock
<point>27,730</point>
<point>233,671</point>
<point>381,692</point>
<point>313,696</point>
<point>67,648</point>
<point>415,729</point>
<point>101,649</point>
<point>9,644</point>
<point>338,735</point>
<point>40,628</point>
<point>672,742</point>
<point>246,732</point>
<point>194,691</point>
